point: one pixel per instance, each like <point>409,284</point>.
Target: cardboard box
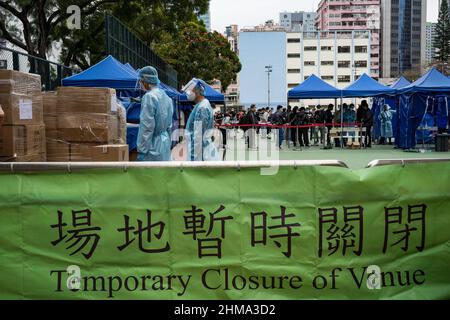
<point>107,153</point>
<point>22,109</point>
<point>15,82</point>
<point>89,152</point>
<point>57,151</point>
<point>86,100</point>
<point>22,140</point>
<point>84,127</point>
<point>28,158</point>
<point>49,102</point>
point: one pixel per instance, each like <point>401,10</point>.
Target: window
<point>293,70</point>
<point>343,64</point>
<point>310,48</point>
<point>361,49</point>
<point>327,77</point>
<point>326,48</point>
<point>344,49</point>
<point>361,64</point>
<point>310,63</point>
<point>292,85</point>
<point>343,78</point>
<point>293,55</point>
<point>294,40</point>
<point>327,63</point>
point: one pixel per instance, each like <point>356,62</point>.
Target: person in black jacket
<point>303,132</point>
<point>278,118</point>
<point>366,118</point>
<point>329,120</point>
<point>293,120</point>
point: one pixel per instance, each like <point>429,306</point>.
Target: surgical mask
<point>190,95</point>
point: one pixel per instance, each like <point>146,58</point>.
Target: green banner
<point>223,233</point>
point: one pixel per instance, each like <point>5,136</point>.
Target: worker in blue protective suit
<point>155,128</point>
<point>200,125</point>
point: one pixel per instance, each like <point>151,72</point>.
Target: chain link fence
<point>51,73</point>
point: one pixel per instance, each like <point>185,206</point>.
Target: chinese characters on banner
<point>340,231</point>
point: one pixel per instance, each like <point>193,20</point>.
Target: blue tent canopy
<point>431,82</point>
<point>129,66</point>
<point>111,73</point>
<point>210,94</point>
<point>365,87</point>
<point>108,73</point>
<point>400,83</point>
<point>428,96</point>
<point>314,88</point>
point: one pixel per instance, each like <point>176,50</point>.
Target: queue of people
<point>303,127</point>
<point>314,124</point>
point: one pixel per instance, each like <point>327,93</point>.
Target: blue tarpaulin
<point>314,88</point>
<point>393,102</point>
<point>400,83</point>
<point>365,87</point>
<point>108,73</point>
<point>431,82</point>
<point>427,97</point>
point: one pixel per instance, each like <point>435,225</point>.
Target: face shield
<point>188,89</point>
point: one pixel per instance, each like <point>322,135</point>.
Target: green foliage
<point>171,27</point>
<point>442,39</point>
<point>196,53</point>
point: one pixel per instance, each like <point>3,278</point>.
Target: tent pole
<point>342,124</point>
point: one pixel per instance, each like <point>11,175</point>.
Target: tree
<point>33,25</point>
<point>194,52</point>
<point>442,39</point>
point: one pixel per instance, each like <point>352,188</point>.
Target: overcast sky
<point>246,13</point>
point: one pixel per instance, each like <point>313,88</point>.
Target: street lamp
<point>269,71</point>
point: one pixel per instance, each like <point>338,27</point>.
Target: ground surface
<point>355,159</point>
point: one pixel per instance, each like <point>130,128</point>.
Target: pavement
<point>355,159</point>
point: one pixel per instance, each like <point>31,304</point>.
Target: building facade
<point>346,15</point>
<point>403,37</point>
<point>430,50</point>
<point>232,91</point>
<point>338,57</point>
<point>298,21</point>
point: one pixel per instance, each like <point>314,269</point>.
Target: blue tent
<point>210,94</point>
<point>428,96</point>
<point>431,82</point>
<point>108,73</point>
<point>400,83</point>
<point>314,88</point>
<point>365,87</point>
<point>393,102</point>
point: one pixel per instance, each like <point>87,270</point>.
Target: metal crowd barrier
<point>15,167</point>
<point>403,162</point>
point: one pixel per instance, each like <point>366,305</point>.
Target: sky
<point>247,13</point>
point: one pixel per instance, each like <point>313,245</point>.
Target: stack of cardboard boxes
<point>22,134</point>
<point>84,124</point>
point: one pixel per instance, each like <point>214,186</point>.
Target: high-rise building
<point>338,57</point>
<point>206,18</point>
<point>232,91</point>
<point>346,15</point>
<point>298,21</point>
<point>430,37</point>
<point>232,33</point>
<point>403,36</point>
